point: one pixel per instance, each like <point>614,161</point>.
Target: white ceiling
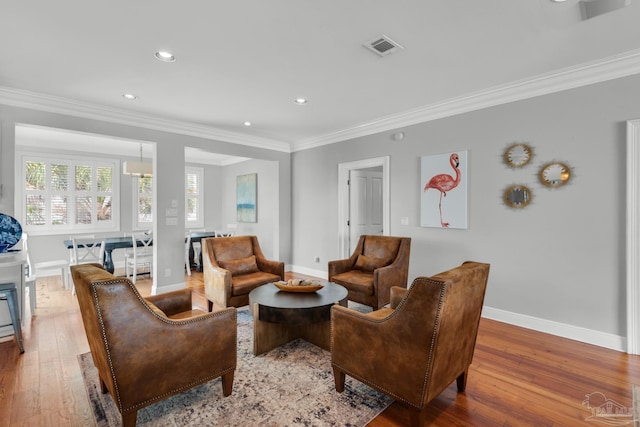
<point>246,60</point>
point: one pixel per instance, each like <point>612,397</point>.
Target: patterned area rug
<point>291,385</point>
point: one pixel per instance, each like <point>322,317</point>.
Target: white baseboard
<point>167,288</point>
<point>307,271</point>
<point>44,272</point>
<point>577,333</point>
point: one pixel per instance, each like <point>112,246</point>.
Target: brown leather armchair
<point>377,264</point>
<point>416,349</point>
<point>147,349</point>
<point>233,267</point>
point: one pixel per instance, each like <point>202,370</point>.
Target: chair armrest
<point>217,284</point>
<point>394,274</point>
<point>339,266</point>
<point>172,302</point>
<point>179,353</point>
<point>352,345</point>
<point>273,267</point>
<point>397,293</point>
<point>217,280</point>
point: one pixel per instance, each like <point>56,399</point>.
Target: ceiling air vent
<point>382,45</point>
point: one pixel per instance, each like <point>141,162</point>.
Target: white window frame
<point>199,221</point>
<point>72,161</point>
<point>137,224</point>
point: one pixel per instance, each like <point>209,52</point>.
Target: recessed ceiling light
<point>301,101</point>
<point>129,96</point>
<point>247,123</point>
<point>558,1</point>
<point>164,56</point>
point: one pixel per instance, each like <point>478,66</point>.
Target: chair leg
<point>339,378</point>
<point>227,383</point>
<point>129,419</point>
<point>63,275</point>
<point>12,302</point>
<point>31,285</point>
<point>416,417</point>
<point>461,381</point>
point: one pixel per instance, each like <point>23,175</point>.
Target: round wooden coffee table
<point>280,316</point>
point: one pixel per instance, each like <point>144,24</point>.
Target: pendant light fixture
<point>139,169</point>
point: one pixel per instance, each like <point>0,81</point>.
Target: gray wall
<point>560,259</point>
<point>267,225</point>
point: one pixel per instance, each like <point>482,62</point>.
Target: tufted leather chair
<point>233,267</point>
<point>414,350</point>
<point>147,349</point>
<point>377,264</point>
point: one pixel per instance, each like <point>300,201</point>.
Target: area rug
<point>291,385</point>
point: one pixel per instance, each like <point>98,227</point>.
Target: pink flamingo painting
<point>444,183</point>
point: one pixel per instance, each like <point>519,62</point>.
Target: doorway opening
<point>345,171</point>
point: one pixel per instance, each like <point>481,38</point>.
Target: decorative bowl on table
<point>297,285</point>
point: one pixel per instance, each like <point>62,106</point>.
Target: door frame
<point>633,236</point>
<point>343,198</point>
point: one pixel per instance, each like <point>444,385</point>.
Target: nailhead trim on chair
<point>430,352</point>
<point>166,320</point>
<point>433,337</point>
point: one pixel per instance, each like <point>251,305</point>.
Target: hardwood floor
<point>519,377</point>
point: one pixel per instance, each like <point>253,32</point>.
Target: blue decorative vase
<point>10,232</point>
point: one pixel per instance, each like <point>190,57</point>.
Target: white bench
<point>56,264</point>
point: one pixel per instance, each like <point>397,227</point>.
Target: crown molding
<point>609,68</point>
<point>52,104</point>
<point>616,66</point>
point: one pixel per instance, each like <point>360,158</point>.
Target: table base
<point>312,325</point>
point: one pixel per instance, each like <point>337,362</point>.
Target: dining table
<point>110,243</point>
<point>122,242</point>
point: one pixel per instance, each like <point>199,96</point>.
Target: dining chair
<point>30,274</point>
<point>231,230</point>
<point>86,249</point>
<point>30,271</point>
<point>141,255</point>
<point>197,247</point>
<point>187,250</point>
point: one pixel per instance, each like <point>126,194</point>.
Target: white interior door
<point>365,205</point>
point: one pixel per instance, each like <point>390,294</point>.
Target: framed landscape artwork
<point>246,197</point>
<point>443,190</point>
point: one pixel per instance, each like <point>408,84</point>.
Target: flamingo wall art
<point>443,190</point>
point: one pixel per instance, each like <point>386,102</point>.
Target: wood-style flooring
<point>519,377</point>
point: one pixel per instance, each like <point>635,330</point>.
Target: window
<point>194,203</point>
<point>144,200</point>
<point>62,195</point>
<point>194,200</point>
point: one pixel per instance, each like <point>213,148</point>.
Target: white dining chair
<point>197,246</point>
<point>86,249</point>
<point>231,229</point>
<point>187,249</point>
<point>30,274</point>
<point>142,255</point>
